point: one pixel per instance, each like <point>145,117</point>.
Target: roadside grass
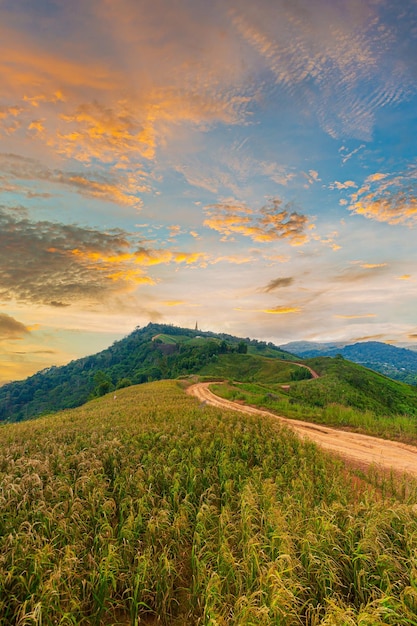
<point>150,508</point>
<point>285,401</point>
<point>251,368</point>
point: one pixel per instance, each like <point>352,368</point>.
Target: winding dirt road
<point>361,449</point>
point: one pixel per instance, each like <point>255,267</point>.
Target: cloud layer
<point>250,162</point>
<point>60,264</point>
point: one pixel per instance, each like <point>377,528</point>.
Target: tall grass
<point>149,508</point>
<point>274,398</point>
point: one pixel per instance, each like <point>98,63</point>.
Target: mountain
<point>151,353</point>
<point>397,363</point>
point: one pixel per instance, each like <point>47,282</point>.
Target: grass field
<point>247,367</point>
<point>150,509</point>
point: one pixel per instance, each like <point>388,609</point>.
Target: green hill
<point>345,395</point>
<point>258,373</point>
<point>349,384</point>
<point>151,353</point>
<point>152,509</point>
<point>393,361</point>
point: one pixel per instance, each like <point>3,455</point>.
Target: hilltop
<point>345,394</point>
<point>151,353</point>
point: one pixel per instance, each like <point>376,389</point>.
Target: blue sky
<point>250,167</point>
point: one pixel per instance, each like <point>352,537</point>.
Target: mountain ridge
<point>395,362</point>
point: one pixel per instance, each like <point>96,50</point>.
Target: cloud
<point>126,76</point>
<point>373,178</point>
<point>235,259</point>
<point>59,264</point>
<point>129,75</point>
<point>310,48</point>
<point>95,131</point>
<point>312,176</point>
<point>278,283</point>
<point>9,119</point>
<point>355,317</point>
<point>372,266</point>
<point>271,223</point>
<point>9,111</point>
<point>348,154</point>
<point>174,302</point>
<point>353,275</point>
<point>114,187</point>
<point>369,338</point>
<point>282,310</point>
<point>11,328</point>
<point>346,185</point>
<point>232,170</point>
<point>389,198</point>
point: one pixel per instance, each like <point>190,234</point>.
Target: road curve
<point>362,449</point>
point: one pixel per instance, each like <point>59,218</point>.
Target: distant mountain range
<point>397,363</point>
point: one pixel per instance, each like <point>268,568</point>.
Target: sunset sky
<point>251,166</point>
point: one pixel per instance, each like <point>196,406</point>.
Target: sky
<point>251,167</point>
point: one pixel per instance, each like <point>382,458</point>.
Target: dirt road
<point>361,449</point>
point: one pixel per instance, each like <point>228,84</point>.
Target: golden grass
<point>149,509</point>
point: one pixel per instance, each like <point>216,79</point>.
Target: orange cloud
<point>271,223</point>
<point>121,109</point>
<point>118,187</point>
<point>388,198</point>
<point>29,65</point>
<point>174,302</point>
<point>282,310</point>
<point>373,178</point>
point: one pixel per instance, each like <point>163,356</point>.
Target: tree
<point>103,383</point>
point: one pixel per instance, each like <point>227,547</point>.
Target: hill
<point>258,373</point>
<point>345,395</point>
<point>153,509</point>
<point>397,363</point>
<point>151,353</point>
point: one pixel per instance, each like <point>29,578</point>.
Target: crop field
<point>148,508</point>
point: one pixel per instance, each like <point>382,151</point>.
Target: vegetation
<point>253,368</point>
<point>397,363</point>
<point>149,507</point>
<point>345,395</point>
<point>151,353</point>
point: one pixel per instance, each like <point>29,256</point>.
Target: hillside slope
<point>397,363</point>
<point>151,353</point>
<point>150,508</point>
